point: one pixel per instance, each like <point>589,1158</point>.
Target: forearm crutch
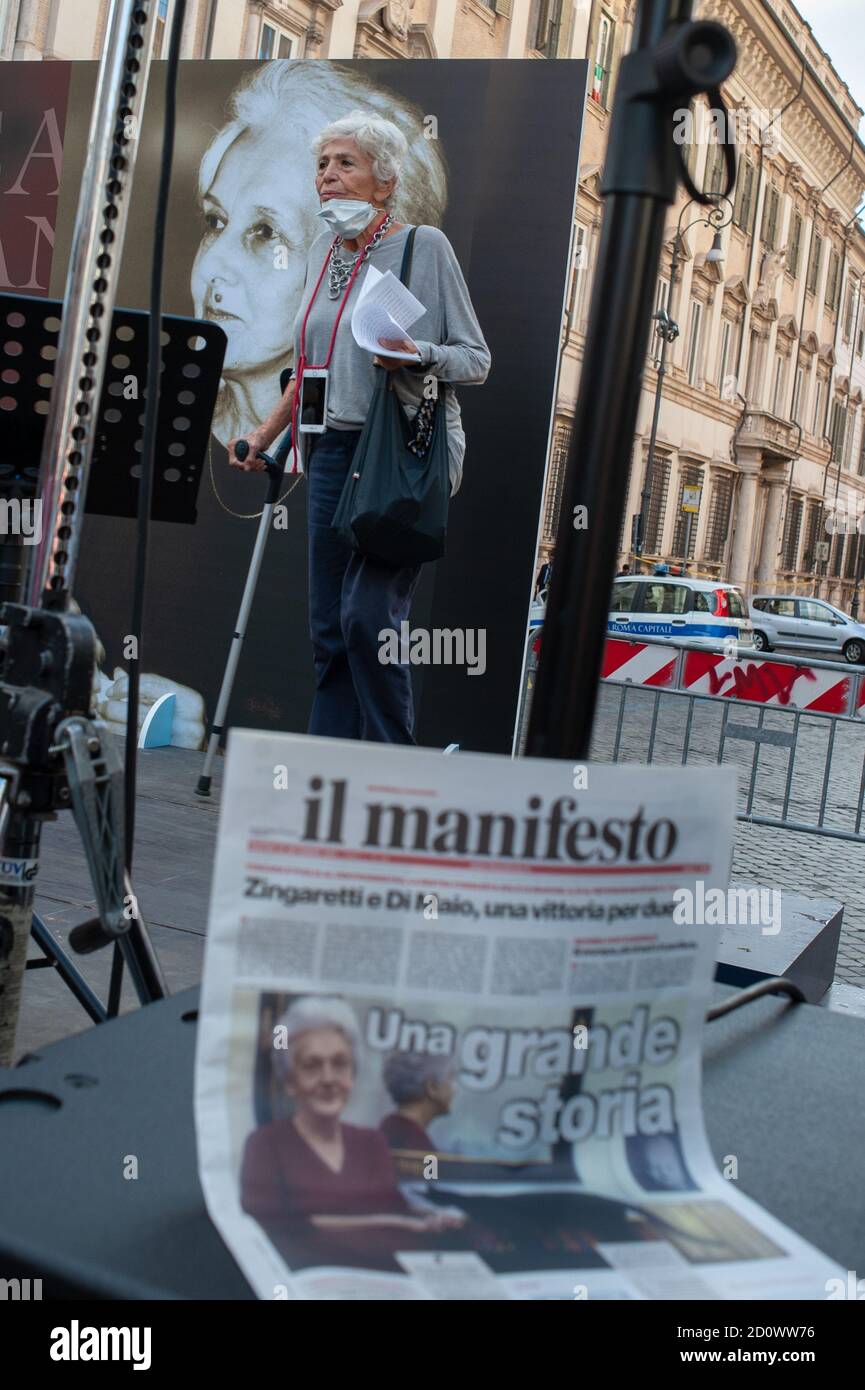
<point>275,469</point>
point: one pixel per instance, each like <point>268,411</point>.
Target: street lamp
<point>668,331</point>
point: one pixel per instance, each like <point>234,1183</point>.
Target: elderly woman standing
<point>351,597</point>
<point>259,215</point>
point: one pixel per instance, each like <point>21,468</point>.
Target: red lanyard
<point>321,366</point>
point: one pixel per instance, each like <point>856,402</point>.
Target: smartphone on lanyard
<point>312,407</point>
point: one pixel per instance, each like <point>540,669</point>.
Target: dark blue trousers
<point>351,599</point>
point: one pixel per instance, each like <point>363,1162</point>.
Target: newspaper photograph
<point>451,1026</point>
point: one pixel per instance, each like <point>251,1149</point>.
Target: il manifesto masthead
<point>552,830</point>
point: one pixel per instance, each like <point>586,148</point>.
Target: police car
<point>660,607</point>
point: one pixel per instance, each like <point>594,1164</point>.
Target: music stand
<point>192,356</point>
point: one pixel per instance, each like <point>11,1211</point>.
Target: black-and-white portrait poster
<point>493,161</point>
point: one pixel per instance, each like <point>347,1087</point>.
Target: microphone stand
<point>674,58</point>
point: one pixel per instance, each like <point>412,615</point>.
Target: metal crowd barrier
<point>802,765</point>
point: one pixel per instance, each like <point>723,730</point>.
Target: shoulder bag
<point>394,504</point>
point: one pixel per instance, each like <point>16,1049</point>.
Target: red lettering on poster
<point>32,124</point>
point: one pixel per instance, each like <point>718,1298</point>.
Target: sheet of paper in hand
<point>449,1043</point>
<point>385,311</point>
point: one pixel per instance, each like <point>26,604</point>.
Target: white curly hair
<point>309,1013</point>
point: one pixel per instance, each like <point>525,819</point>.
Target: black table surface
<point>783,1088</point>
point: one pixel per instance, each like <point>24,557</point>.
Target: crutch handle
<point>275,465</point>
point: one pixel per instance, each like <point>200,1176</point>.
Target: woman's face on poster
<point>259,215</point>
<point>322,1072</point>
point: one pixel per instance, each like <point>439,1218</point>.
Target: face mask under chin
<point>348,217</point>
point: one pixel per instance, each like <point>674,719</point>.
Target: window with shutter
<point>724,354</point>
<point>794,244</point>
<point>581,275</point>
<point>694,342</point>
<point>566,30</point>
<point>542,24</point>
<point>769,228</point>
<point>600,90</point>
<point>716,169</point>
<point>503,8</point>
<point>274,42</point>
<point>743,212</point>
<point>850,557</point>
<point>792,530</point>
<point>626,518</point>
<point>692,148</point>
<point>812,535</point>
<point>832,279</point>
<point>755,367</point>
<point>837,430</point>
<point>849,426</point>
<point>848,312</point>
<point>814,264</point>
<point>556,478</point>
<point>718,523</point>
<point>657,505</point>
<point>778,394</point>
<point>817,422</point>
<point>799,402</point>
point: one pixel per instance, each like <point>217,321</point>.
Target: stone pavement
<point>794,860</point>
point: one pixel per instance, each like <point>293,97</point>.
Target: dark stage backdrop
<point>507,152</point>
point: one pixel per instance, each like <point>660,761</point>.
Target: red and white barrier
<point>767,682</point>
<point>820,687</point>
<point>639,663</point>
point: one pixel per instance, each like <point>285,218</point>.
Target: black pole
<point>673,59</point>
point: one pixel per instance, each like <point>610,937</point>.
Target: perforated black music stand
<point>192,356</point>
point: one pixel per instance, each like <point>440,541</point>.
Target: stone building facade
<point>762,404</point>
<point>314,28</point>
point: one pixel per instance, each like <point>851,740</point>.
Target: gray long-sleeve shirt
<point>449,337</point>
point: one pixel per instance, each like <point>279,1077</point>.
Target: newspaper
<point>449,1043</point>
